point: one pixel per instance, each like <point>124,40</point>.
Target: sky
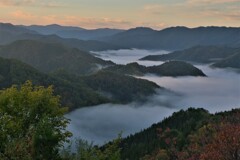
<point>124,14</point>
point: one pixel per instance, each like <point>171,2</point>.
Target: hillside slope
<point>199,54</point>
<point>232,61</point>
<point>188,134</point>
<point>49,57</point>
<point>171,68</point>
<point>79,91</point>
<point>72,95</point>
<point>121,88</point>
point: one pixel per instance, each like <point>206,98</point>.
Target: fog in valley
<point>104,122</point>
<point>125,56</point>
<point>219,91</point>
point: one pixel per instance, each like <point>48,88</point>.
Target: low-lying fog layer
<point>104,122</point>
<point>125,56</point>
<point>218,92</point>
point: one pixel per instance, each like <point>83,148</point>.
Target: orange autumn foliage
<point>225,145</point>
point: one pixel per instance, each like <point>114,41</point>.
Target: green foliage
<point>187,135</point>
<point>108,84</point>
<point>76,91</point>
<point>32,123</point>
<point>180,124</point>
<point>87,151</point>
<point>73,93</point>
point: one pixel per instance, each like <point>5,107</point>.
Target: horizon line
<point>63,25</point>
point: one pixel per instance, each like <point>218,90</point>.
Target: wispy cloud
<point>150,7</point>
<point>204,2</point>
<point>149,13</point>
<point>199,12</point>
<point>92,22</point>
<point>35,3</point>
<point>86,22</point>
<point>230,15</point>
<point>18,14</point>
<point>16,2</point>
<point>234,15</point>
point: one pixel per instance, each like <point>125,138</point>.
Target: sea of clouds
<point>219,91</point>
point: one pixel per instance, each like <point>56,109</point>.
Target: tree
<point>225,144</point>
<point>87,151</point>
<point>219,139</point>
<point>32,123</point>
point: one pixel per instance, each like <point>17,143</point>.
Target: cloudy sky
<point>125,14</point>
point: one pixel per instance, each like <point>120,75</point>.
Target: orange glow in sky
<point>124,14</point>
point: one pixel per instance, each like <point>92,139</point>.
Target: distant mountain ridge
<point>172,38</point>
<point>199,54</point>
<point>10,33</point>
<point>175,38</point>
<point>73,32</point>
<point>51,29</point>
<point>8,27</point>
<point>221,56</point>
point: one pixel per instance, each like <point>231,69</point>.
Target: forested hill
<point>120,87</point>
<point>171,68</point>
<point>232,61</point>
<point>72,95</point>
<point>220,56</point>
<point>76,91</point>
<point>49,57</point>
<point>189,134</point>
<point>199,54</point>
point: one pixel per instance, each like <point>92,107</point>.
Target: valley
<point>98,83</point>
